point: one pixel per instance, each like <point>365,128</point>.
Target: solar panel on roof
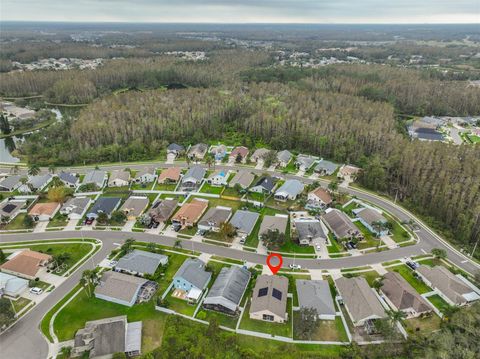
<point>262,292</point>
<point>9,208</point>
<point>277,294</point>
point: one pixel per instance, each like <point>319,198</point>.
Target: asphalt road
<point>24,340</point>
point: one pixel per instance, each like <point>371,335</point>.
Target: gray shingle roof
<point>196,173</point>
<point>291,187</point>
<point>402,294</point>
<point>161,211</point>
<point>95,176</point>
<point>175,147</point>
<point>305,161</point>
<point>311,229</point>
<point>326,166</point>
<point>370,215</point>
<point>68,177</point>
<point>267,183</point>
<point>198,150</point>
<point>243,178</point>
<point>339,223</point>
<point>140,262</point>
<point>315,294</point>
<point>37,182</point>
<point>75,205</point>
<point>193,271</point>
<point>105,204</point>
<point>10,182</point>
<point>244,221</point>
<point>229,287</point>
<point>284,156</point>
<point>135,205</point>
<point>119,286</point>
<point>273,223</point>
<point>215,216</point>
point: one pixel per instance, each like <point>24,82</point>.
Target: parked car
<point>36,290</point>
<point>176,227</point>
<point>295,266</point>
<point>201,232</point>
<point>89,221</point>
<point>412,264</point>
<point>318,247</point>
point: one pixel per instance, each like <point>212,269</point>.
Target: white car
<point>295,266</point>
<point>319,247</point>
<point>36,290</point>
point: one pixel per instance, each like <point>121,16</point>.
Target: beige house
<point>134,206</point>
<point>269,299</point>
<point>26,264</point>
<point>119,178</point>
<point>189,214</point>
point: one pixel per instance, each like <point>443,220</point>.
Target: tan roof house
<point>162,211</point>
<point>243,178</point>
<point>348,171</point>
<point>454,289</point>
<point>119,178</point>
<point>400,295</point>
<point>119,288</point>
<point>269,299</point>
<point>134,206</point>
<point>26,264</point>
<point>240,152</point>
<point>259,155</point>
<point>189,214</point>
<point>44,211</point>
<point>169,175</point>
<point>273,223</point>
<point>318,198</point>
<point>360,300</point>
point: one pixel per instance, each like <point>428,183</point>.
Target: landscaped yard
<point>141,186</point>
<point>439,303</point>
<point>180,305</point>
<point>370,276</point>
<point>17,222</point>
<point>59,220</point>
<point>207,188</point>
<point>280,329</point>
<point>20,303</point>
<point>416,283</point>
<point>398,234</point>
<point>165,186</point>
<point>222,319</point>
<point>258,197</point>
<point>214,202</point>
<point>369,240</point>
<point>423,325</point>
<point>76,251</point>
<point>328,330</point>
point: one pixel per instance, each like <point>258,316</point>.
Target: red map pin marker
<point>274,267</point>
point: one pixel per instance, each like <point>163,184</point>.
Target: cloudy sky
<point>245,11</point>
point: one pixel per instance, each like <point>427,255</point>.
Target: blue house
<point>371,219</point>
<point>192,276</point>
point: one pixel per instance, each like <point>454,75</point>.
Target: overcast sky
<point>241,11</point>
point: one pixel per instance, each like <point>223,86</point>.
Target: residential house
<point>289,190</point>
<point>361,302</point>
<point>44,211</point>
<point>348,172</point>
<point>192,278</point>
<point>455,289</point>
<point>105,205</point>
<point>273,223</point>
<point>105,337</point>
<point>169,175</point>
<point>134,206</point>
<point>97,177</point>
<point>11,183</point>
<point>193,178</point>
<point>227,291</point>
<point>284,157</point>
<point>36,183</point>
<point>140,263</point>
<point>373,220</point>
<point>218,178</point>
<point>239,154</point>
<point>269,299</point>
<point>264,185</point>
<point>189,214</point>
<point>319,198</point>
<point>259,155</point>
<point>145,175</point>
<point>119,178</point>
<point>244,222</point>
<point>69,179</point>
<point>76,207</point>
<point>175,149</point>
<point>120,288</point>
<point>219,152</point>
<point>309,231</point>
<point>340,224</point>
<point>325,168</point>
<point>401,296</point>
<point>315,294</point>
<point>161,211</point>
<point>198,151</point>
<point>243,178</point>
<point>304,162</point>
<point>11,285</point>
<point>25,264</point>
<point>10,208</point>
<point>213,219</point>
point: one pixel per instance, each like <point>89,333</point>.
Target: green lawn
<point>407,273</point>
<point>369,240</point>
<point>76,251</point>
<point>328,330</point>
<point>141,186</point>
<point>17,223</point>
<point>207,188</point>
<point>180,305</point>
<point>59,220</point>
<point>423,325</point>
<point>174,262</point>
<point>20,303</point>
<point>473,138</point>
<point>231,192</point>
<point>370,276</point>
<point>254,196</point>
<point>439,303</point>
<point>280,329</point>
<point>165,186</point>
<point>397,233</point>
<point>214,202</point>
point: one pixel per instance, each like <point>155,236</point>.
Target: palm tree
<point>51,169</point>
<point>85,280</point>
<point>14,169</point>
<point>396,315</point>
<point>33,170</point>
<point>209,161</point>
<point>151,247</point>
<point>178,244</point>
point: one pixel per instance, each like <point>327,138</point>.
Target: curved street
<point>24,339</point>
